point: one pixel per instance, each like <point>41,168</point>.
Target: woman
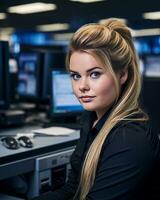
<point>117,156</point>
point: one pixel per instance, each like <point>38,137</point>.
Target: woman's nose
<point>84,86</point>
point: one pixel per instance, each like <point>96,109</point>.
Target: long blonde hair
<point>111,43</point>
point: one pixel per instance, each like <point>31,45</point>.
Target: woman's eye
<point>95,74</point>
<point>75,76</point>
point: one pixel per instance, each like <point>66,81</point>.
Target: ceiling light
<point>152,15</point>
<point>32,8</point>
<point>145,32</point>
<point>53,27</point>
<point>63,36</point>
<point>87,1</point>
<point>6,32</point>
<point>2,16</point>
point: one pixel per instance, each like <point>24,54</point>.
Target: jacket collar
<point>88,119</point>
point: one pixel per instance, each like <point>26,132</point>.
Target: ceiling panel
<point>77,14</point>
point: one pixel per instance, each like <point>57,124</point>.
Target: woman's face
<point>92,84</point>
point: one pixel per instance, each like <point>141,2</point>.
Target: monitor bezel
<point>4,62</point>
<point>51,60</point>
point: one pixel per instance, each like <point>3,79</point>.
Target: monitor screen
<point>141,65</point>
<point>4,75</point>
<point>28,75</point>
<point>152,66</point>
<point>156,45</point>
<point>142,46</point>
<point>51,61</point>
<point>63,100</point>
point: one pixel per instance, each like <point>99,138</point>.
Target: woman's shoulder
<point>132,128</point>
<point>134,125</point>
<point>136,134</point>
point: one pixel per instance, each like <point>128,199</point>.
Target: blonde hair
<point>111,43</point>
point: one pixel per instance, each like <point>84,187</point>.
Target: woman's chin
<point>88,108</point>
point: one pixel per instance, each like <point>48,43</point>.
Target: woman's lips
<point>86,99</point>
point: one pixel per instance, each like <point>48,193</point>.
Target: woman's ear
<point>123,76</point>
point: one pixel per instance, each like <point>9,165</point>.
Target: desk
<point>22,160</point>
<point>6,197</point>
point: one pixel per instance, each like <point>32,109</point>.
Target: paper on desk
<point>54,131</point>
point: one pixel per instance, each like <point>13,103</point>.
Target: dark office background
<point>47,48</point>
<point>33,79</point>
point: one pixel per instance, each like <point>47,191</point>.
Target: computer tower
<point>51,172</point>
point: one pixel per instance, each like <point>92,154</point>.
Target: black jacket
<point>129,165</point>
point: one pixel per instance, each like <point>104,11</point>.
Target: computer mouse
<point>10,142</point>
<point>25,141</point>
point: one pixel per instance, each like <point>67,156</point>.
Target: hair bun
<point>117,25</point>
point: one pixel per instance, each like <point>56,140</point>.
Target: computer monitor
<point>52,59</point>
<point>150,100</point>
<point>156,45</point>
<point>28,79</point>
<point>33,83</point>
<point>63,101</point>
<point>143,45</point>
<point>141,65</point>
<point>4,75</point>
<point>152,65</point>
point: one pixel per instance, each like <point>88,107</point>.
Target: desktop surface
<point>42,144</point>
<point>22,160</point>
<point>7,197</point>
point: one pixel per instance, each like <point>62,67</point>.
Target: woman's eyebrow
<point>89,70</point>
